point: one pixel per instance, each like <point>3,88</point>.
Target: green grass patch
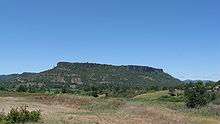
<point>163,100</point>
<point>105,105</point>
<point>80,113</point>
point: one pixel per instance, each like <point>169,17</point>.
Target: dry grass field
<point>72,109</point>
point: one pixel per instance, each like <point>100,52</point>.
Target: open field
<point>143,109</point>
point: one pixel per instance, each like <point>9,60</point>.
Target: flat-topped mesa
<point>143,68</point>
<point>72,74</point>
<point>136,68</point>
<point>85,65</point>
<point>64,64</point>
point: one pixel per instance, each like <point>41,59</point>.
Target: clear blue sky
<point>180,36</point>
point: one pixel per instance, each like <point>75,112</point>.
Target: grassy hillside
<point>205,115</point>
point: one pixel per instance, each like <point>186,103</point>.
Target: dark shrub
<point>22,88</point>
<point>2,88</point>
<point>2,116</point>
<point>172,92</point>
<point>13,116</point>
<point>34,116</point>
<point>197,95</point>
<point>20,115</point>
<point>217,100</point>
<point>92,93</point>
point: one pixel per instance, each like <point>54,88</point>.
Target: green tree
<point>22,88</point>
<point>197,95</point>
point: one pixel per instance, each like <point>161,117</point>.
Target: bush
<point>217,100</point>
<point>34,116</point>
<point>197,95</point>
<point>2,116</point>
<point>92,93</point>
<point>22,88</point>
<point>20,115</point>
<point>2,88</point>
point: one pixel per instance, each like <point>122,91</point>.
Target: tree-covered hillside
<point>81,75</point>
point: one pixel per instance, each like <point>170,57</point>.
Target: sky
<point>180,36</point>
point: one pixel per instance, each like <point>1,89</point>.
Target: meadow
<point>156,107</point>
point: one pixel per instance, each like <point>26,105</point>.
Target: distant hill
<point>194,81</point>
<point>8,77</point>
<point>84,73</point>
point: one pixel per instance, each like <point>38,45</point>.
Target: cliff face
<point>143,69</point>
<point>85,73</point>
<point>93,65</point>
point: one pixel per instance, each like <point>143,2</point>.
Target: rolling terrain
<point>72,109</point>
<point>89,93</point>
